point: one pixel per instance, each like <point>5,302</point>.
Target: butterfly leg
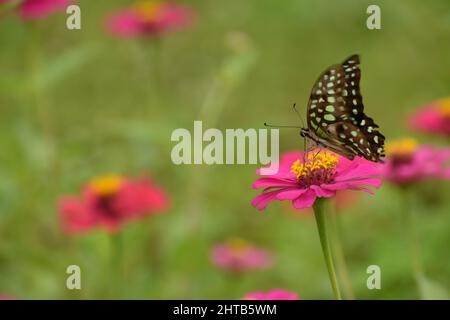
<point>320,150</point>
<point>309,145</point>
<point>304,150</point>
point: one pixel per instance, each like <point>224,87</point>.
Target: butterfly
<point>335,115</point>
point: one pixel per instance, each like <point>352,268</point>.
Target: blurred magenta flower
<point>320,176</point>
<point>238,255</point>
<point>110,201</point>
<point>41,9</point>
<point>5,296</point>
<point>275,294</point>
<point>149,18</point>
<point>434,118</point>
<point>407,162</point>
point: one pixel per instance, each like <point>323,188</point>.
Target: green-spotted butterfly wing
<point>335,114</point>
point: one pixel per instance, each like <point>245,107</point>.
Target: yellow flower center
<point>237,244</point>
<point>323,161</point>
<point>402,147</point>
<point>106,185</point>
<point>444,107</point>
<point>147,10</point>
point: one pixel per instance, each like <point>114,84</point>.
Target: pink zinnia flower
<point>320,176</point>
<point>238,255</point>
<point>344,199</point>
<point>406,162</point>
<point>434,118</point>
<point>275,294</point>
<point>108,202</point>
<point>149,18</point>
<point>40,9</point>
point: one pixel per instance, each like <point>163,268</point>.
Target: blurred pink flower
<point>434,118</point>
<point>406,162</point>
<point>149,18</point>
<point>238,255</point>
<point>321,176</point>
<point>5,296</point>
<point>275,294</point>
<point>40,9</point>
<point>108,202</point>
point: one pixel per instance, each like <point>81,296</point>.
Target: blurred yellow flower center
<point>405,146</point>
<point>107,185</point>
<point>444,107</point>
<point>147,10</point>
<point>238,245</point>
<point>323,161</point>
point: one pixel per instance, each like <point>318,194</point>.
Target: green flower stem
<point>117,262</point>
<point>341,264</point>
<point>413,239</point>
<point>414,245</point>
<point>322,226</point>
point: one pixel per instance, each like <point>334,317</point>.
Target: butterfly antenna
<point>280,126</point>
<point>294,127</point>
<point>294,106</point>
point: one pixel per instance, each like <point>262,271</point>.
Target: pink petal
<point>262,200</point>
<point>335,186</point>
<point>305,200</point>
<point>75,215</point>
<point>323,193</point>
<point>429,119</point>
<point>276,294</point>
<point>39,9</point>
<point>353,184</point>
<point>374,182</point>
<point>362,189</point>
<point>290,194</point>
<point>359,171</point>
<point>273,182</point>
<point>124,24</point>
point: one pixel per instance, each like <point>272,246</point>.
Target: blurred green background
<point>77,104</point>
